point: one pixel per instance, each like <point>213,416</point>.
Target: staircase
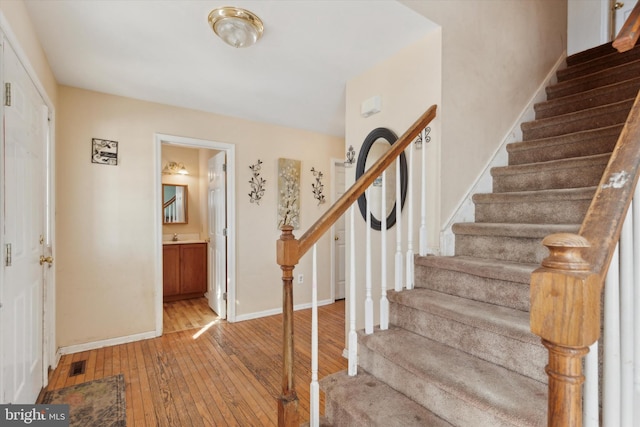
<point>459,350</point>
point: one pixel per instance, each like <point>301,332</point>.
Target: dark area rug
<point>94,403</point>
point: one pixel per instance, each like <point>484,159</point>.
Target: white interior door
<point>21,324</point>
<point>622,13</point>
<point>217,199</point>
<point>339,238</point>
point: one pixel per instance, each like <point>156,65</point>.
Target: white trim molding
<point>273,312</point>
<point>77,348</point>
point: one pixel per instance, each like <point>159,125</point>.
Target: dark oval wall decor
<point>370,140</point>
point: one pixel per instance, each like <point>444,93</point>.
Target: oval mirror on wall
<point>375,145</point>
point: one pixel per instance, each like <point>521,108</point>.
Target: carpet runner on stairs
<point>459,350</point>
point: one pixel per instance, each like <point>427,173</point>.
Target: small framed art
<point>104,152</point>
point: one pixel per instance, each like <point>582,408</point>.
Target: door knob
<point>44,259</point>
<point>617,5</point>
<point>336,238</point>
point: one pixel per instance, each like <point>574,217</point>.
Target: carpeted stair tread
<point>590,54</point>
<point>513,230</point>
<point>365,400</point>
<point>599,63</point>
<point>556,206</point>
<point>601,96</point>
<point>577,144</point>
<point>591,118</point>
<point>509,242</point>
<point>492,269</point>
<point>465,390</point>
<point>591,81</point>
<point>493,318</point>
<point>494,281</point>
<point>574,172</point>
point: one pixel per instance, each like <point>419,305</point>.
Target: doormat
<point>94,403</point>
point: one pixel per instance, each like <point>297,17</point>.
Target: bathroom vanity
<point>184,269</point>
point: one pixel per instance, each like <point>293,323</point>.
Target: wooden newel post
<point>287,258</point>
<point>565,313</point>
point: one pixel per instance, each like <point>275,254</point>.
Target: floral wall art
<point>257,183</point>
<point>289,193</point>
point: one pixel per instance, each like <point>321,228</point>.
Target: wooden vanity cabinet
<point>184,271</point>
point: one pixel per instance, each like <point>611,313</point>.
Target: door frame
<point>50,357</point>
<point>332,231</point>
<point>230,150</point>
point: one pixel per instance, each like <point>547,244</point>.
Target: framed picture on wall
<point>104,152</point>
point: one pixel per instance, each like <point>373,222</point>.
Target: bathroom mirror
<point>377,143</point>
<point>174,204</point>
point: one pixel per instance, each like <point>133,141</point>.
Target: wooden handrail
<point>566,290</point>
<point>630,31</point>
<point>289,250</point>
<point>168,202</point>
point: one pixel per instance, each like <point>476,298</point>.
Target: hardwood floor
<point>227,375</point>
<point>186,314</point>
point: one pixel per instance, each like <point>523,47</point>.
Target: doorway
<point>338,248</point>
<point>227,151</point>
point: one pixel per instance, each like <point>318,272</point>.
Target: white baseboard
<point>275,311</point>
<point>77,348</point>
<point>484,182</point>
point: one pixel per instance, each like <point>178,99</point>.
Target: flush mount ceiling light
<point>236,27</point>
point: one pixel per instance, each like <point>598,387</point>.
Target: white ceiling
<point>164,51</point>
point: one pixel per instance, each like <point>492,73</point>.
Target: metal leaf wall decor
<point>318,186</point>
<point>257,183</point>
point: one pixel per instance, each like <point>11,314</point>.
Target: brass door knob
<point>336,238</point>
<point>618,5</point>
<point>47,259</point>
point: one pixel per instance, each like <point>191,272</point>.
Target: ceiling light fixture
<point>172,168</point>
<point>235,26</point>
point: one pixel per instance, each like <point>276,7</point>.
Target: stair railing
<point>290,250</point>
<point>630,31</point>
<point>566,290</point>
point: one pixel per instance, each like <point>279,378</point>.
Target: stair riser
<point>494,291</point>
<point>557,149</point>
<point>490,346</point>
<point>549,212</point>
<point>602,63</point>
<point>599,118</point>
<point>589,99</point>
<point>551,178</point>
<point>516,249</point>
<point>439,401</point>
<point>590,54</point>
<point>582,84</point>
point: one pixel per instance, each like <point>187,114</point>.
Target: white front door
<point>339,238</point>
<point>622,13</point>
<point>217,199</point>
<point>21,313</point>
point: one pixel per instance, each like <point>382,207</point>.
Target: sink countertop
<point>183,242</point>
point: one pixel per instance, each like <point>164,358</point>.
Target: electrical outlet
<point>300,278</point>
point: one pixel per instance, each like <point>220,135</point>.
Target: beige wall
<point>408,84</point>
<point>20,24</point>
<point>495,53</point>
<point>106,253</point>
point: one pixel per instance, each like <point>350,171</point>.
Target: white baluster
<point>591,406</point>
<point>368,302</point>
<point>314,397</point>
<point>636,305</point>
<point>626,322</point>
<point>409,257</point>
<point>423,197</point>
<point>399,266</point>
<point>384,302</point>
<point>611,363</point>
<point>353,337</point>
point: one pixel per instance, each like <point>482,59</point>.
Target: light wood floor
<point>229,375</point>
<point>187,314</point>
